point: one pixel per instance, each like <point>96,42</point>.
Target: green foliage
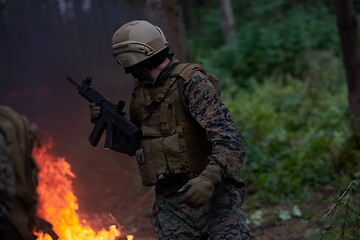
<point>293,135</point>
<point>284,83</point>
<point>343,216</point>
<point>291,108</point>
<point>273,38</point>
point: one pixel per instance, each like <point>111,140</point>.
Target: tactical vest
<point>20,135</point>
<point>173,142</point>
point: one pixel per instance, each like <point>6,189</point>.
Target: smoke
<point>41,43</point>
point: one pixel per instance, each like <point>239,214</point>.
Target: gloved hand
<point>94,111</point>
<point>198,191</point>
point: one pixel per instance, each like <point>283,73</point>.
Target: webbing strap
<point>159,98</point>
<point>182,72</point>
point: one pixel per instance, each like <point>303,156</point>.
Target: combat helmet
<point>137,41</point>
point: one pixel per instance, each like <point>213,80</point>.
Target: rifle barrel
<point>73,82</point>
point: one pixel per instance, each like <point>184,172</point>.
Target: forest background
<point>284,80</point>
<point>280,64</point>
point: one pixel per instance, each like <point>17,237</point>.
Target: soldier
<point>7,185</point>
<point>19,179</point>
<point>191,150</point>
<point>18,136</point>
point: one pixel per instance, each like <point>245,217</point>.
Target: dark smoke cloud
<point>41,43</point>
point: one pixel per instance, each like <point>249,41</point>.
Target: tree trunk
<point>346,22</point>
<point>227,21</point>
<point>191,14</point>
<point>167,14</point>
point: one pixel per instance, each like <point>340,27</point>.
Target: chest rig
<point>173,142</point>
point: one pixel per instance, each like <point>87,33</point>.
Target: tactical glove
<point>198,191</point>
<point>94,111</point>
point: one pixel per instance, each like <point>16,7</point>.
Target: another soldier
<point>7,185</point>
<point>191,150</point>
<point>18,176</point>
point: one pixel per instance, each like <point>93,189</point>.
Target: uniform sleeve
<point>208,110</point>
<point>7,184</point>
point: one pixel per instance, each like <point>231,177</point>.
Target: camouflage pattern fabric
<point>205,105</point>
<point>221,219</point>
<point>7,185</point>
<point>20,134</point>
<point>207,108</point>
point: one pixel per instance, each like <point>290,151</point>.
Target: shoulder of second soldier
<point>2,134</point>
<point>3,142</point>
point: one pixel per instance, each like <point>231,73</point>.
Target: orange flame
<point>58,204</point>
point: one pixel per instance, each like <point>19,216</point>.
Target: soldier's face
<point>140,73</point>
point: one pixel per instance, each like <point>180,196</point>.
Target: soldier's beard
<point>142,75</point>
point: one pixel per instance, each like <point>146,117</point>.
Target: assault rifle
<point>121,134</point>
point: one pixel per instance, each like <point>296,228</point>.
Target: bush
<point>284,83</point>
<point>343,216</point>
<point>269,43</point>
<point>293,138</point>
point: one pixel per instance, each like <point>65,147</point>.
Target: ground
<point>277,222</point>
<point>116,196</point>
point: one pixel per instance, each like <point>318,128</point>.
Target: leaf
<point>257,217</point>
<point>296,211</point>
<point>284,215</point>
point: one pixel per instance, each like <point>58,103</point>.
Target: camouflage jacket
<point>205,105</point>
<point>20,135</point>
<point>7,184</point>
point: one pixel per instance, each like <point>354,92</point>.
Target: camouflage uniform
<point>222,218</point>
<point>7,185</point>
<point>20,135</point>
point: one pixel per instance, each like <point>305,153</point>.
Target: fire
<point>58,204</point>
